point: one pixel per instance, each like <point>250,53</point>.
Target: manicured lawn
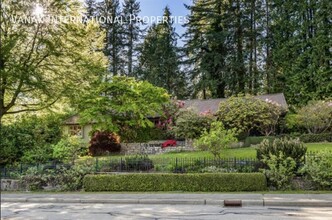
<point>248,152</point>
<point>319,146</point>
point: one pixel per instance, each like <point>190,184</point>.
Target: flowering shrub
<point>171,112</point>
<point>247,113</point>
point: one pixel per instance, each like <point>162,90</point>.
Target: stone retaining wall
<point>10,185</point>
<point>154,147</point>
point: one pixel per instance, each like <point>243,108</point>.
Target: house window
<point>75,130</point>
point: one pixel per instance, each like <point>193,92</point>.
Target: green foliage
<point>292,123</point>
<point>217,139</point>
<point>280,170</point>
<point>68,149</point>
<point>116,36</point>
<point>305,138</point>
<point>252,140</point>
<point>292,148</point>
<point>122,106</point>
<point>315,138</point>
<point>40,64</point>
<point>214,169</point>
<point>319,169</point>
<point>61,179</point>
<point>147,134</point>
<point>30,139</point>
<point>33,179</point>
<point>176,182</point>
<point>159,60</point>
<point>191,125</point>
<point>246,113</point>
<point>138,163</point>
<point>132,33</point>
<point>316,117</point>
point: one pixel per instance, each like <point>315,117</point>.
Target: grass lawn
<point>248,152</point>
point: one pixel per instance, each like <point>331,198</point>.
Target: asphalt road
<point>56,211</point>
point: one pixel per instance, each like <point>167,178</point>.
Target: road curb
<point>299,203</point>
<point>260,202</point>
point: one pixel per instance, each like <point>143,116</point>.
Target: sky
<point>155,8</point>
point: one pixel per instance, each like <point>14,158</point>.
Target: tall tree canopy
<point>132,34</point>
<point>160,59</point>
<point>41,62</point>
<point>110,11</point>
<point>260,46</point>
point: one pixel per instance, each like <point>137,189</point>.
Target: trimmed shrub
<point>305,138</point>
<point>225,182</point>
<point>313,138</point>
<point>292,148</point>
<point>103,143</point>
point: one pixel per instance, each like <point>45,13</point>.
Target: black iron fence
<point>146,164</point>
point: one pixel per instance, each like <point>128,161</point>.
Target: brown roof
<point>212,105</point>
<point>72,120</point>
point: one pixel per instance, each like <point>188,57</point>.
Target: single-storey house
<point>71,126</point>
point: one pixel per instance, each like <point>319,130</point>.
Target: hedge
<point>207,182</point>
<point>254,140</point>
<point>312,138</point>
<point>306,138</point>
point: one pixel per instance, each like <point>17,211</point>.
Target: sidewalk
<point>301,200</point>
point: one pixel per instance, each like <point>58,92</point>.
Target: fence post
<point>96,164</point>
<point>235,162</point>
<point>120,164</point>
<point>176,164</point>
<point>21,169</point>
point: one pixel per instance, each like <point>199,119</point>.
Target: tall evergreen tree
<point>205,48</point>
<point>91,8</point>
<point>132,34</point>
<point>159,59</point>
<point>109,11</point>
<point>260,46</point>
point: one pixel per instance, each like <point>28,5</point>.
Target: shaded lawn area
<point>249,153</point>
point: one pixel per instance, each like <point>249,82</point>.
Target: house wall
<point>85,132</point>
